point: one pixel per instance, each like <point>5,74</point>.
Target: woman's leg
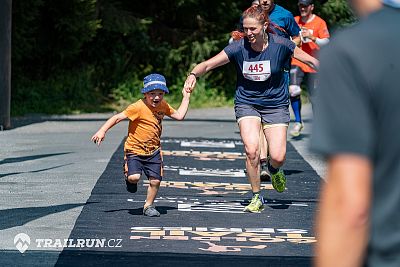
<point>263,145</point>
<point>250,133</point>
<point>276,137</point>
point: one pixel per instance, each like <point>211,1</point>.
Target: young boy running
<point>142,146</point>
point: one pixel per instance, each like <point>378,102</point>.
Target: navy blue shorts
<point>152,165</point>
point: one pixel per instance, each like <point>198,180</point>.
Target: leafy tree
<point>48,39</point>
<point>336,13</point>
<point>79,55</point>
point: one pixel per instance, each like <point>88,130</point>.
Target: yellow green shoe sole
<point>278,181</point>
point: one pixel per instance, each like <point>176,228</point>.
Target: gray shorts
<point>269,117</point>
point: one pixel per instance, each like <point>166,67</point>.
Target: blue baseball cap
<point>154,81</point>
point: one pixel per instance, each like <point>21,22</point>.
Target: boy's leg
<point>152,190</point>
<point>132,171</point>
<point>152,167</point>
<point>131,183</point>
<point>149,208</point>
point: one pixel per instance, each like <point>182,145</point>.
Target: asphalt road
<point>67,196</point>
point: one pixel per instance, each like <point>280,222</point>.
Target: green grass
<point>201,97</point>
<point>73,93</point>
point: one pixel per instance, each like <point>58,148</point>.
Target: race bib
<point>258,71</point>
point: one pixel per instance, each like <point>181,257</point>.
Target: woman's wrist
<point>194,74</point>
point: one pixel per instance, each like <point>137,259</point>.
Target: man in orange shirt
<point>314,34</point>
<point>142,146</point>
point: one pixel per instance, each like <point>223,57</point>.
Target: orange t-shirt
<point>319,29</point>
<point>145,127</point>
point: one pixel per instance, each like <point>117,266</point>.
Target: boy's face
<point>154,97</point>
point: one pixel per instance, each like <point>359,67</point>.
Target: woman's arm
<point>296,40</point>
<point>306,58</point>
<point>220,59</point>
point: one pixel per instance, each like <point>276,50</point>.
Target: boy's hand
<point>98,137</point>
<point>190,83</point>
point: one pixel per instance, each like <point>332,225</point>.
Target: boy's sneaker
<point>130,187</point>
<point>296,130</point>
<point>279,181</point>
<point>256,204</point>
<point>265,176</point>
<point>151,211</point>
